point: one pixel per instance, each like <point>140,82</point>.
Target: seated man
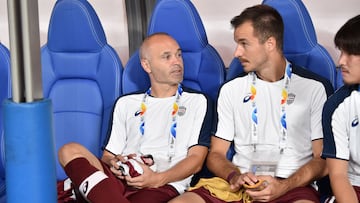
<point>341,119</point>
<point>272,113</point>
<point>168,122</point>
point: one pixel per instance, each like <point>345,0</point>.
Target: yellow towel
<point>220,189</point>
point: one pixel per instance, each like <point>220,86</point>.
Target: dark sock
<point>93,184</point>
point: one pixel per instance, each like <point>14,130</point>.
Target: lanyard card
<point>264,162</point>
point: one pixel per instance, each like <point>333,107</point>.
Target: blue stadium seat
<point>339,79</point>
<point>204,69</point>
<point>81,75</point>
<point>300,43</point>
<point>5,93</point>
<point>235,69</point>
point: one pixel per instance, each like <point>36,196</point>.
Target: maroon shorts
<point>149,195</point>
<point>357,190</point>
<point>300,193</point>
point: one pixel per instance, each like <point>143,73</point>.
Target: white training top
<point>303,115</point>
<point>342,129</point>
<point>194,122</point>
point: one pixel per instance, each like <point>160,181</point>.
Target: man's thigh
<point>207,197</point>
<point>151,195</point>
<point>297,194</point>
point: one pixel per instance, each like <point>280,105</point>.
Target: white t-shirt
<point>306,97</point>
<point>342,129</point>
<point>194,121</point>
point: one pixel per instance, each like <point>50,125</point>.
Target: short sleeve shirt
<point>342,129</point>
<point>306,96</point>
<point>194,122</point>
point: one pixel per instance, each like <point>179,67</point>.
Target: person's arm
<point>311,171</point>
<point>342,188</point>
<point>218,163</point>
<point>108,157</point>
<point>185,168</point>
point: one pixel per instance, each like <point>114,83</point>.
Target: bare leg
<point>71,151</point>
<point>188,197</point>
<point>88,176</point>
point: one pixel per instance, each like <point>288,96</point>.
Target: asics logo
<point>137,113</point>
<point>85,188</point>
<point>355,122</point>
<point>246,98</point>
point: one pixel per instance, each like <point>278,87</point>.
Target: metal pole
<point>30,170</point>
<point>25,50</point>
<point>17,76</point>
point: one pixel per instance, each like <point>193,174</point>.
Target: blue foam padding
<point>29,152</point>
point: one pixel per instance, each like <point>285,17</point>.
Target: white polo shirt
<point>342,129</point>
<point>194,122</point>
<point>307,95</point>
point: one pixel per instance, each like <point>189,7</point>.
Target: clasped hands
<point>146,179</point>
<point>261,188</point>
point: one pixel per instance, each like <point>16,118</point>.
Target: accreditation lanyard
<point>283,100</point>
<point>172,134</point>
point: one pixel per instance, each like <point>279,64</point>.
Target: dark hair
<point>348,37</point>
<point>266,21</point>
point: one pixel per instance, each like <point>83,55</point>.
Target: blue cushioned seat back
<point>204,69</point>
<point>300,43</point>
<point>235,69</point>
<point>339,79</point>
<point>5,93</point>
<point>81,74</point>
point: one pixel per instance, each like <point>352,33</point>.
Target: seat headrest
<point>75,28</point>
<point>187,27</point>
<point>5,75</point>
<point>302,35</point>
<point>5,92</point>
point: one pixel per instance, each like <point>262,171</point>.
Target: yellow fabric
<point>220,189</point>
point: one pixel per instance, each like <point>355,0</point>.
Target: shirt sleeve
<point>318,101</point>
<point>225,114</point>
<point>118,131</point>
<point>203,122</point>
<point>336,140</point>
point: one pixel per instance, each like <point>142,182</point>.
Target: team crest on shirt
<point>355,122</point>
<point>182,110</point>
<point>291,98</point>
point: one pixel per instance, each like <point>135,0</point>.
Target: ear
<point>271,43</point>
<point>146,65</point>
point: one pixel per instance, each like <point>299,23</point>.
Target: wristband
<point>231,175</point>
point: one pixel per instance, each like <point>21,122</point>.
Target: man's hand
<point>149,179</point>
<point>237,182</point>
<point>272,189</point>
<point>114,166</point>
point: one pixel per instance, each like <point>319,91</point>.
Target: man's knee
<point>188,197</point>
<point>69,152</point>
<point>304,201</point>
